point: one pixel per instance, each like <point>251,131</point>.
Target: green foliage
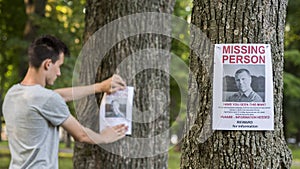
<point>292,70</point>
<point>182,9</point>
<point>292,74</point>
<point>11,42</point>
<point>63,18</point>
<point>292,33</point>
<point>291,85</point>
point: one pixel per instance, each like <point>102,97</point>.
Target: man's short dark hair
<point>241,71</point>
<point>46,47</point>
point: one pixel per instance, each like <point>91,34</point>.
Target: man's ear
<point>46,64</point>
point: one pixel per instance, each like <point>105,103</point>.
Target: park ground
<point>66,154</point>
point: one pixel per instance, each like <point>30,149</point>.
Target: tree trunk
<point>140,58</point>
<point>246,21</point>
<point>34,8</point>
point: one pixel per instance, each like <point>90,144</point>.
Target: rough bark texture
<point>246,21</point>
<point>146,82</point>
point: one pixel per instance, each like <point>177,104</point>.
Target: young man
<point>34,113</point>
<point>245,94</point>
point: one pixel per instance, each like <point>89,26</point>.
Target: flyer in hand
<point>116,109</point>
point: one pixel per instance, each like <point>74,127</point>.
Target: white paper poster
<point>243,87</point>
<point>116,109</point>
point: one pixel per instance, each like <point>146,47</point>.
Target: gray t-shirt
<point>32,115</point>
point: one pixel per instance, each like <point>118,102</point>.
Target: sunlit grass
<point>296,157</point>
<point>65,158</point>
<point>174,159</point>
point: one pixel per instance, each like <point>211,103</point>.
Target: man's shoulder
<point>31,92</point>
<point>233,97</point>
<point>255,97</point>
<point>19,86</point>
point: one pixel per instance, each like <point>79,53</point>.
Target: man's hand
<point>112,134</point>
<point>86,135</point>
<point>110,85</point>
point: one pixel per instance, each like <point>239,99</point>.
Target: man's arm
<point>74,93</point>
<point>86,135</point>
<point>110,85</point>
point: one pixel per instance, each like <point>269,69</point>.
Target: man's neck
<point>247,92</point>
<point>34,77</point>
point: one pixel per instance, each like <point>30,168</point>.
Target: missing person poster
<point>116,108</point>
<point>243,87</point>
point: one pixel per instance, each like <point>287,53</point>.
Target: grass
<point>296,157</point>
<point>65,159</point>
<point>174,159</point>
<point>295,152</point>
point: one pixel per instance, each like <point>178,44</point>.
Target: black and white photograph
<point>116,108</point>
<point>243,83</point>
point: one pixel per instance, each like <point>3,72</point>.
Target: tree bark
<point>246,21</point>
<point>130,57</point>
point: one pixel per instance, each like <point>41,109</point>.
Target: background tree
<point>146,82</point>
<point>252,21</point>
